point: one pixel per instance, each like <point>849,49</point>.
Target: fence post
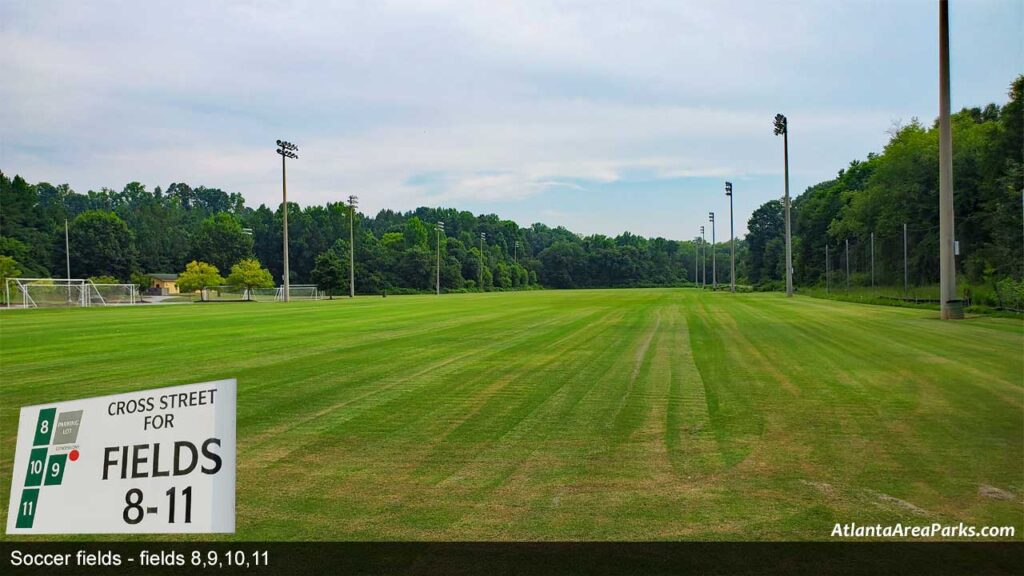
<point>906,281</point>
<point>872,261</point>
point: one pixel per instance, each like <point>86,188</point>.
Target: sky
<point>600,116</point>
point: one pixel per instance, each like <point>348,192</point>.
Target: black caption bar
<point>496,559</point>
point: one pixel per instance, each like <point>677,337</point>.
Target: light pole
<point>950,307</point>
<point>826,270</point>
<point>714,265</point>
<point>696,254</point>
<point>703,260</point>
<point>482,236</point>
<point>286,150</point>
<point>782,127</point>
<point>440,230</point>
<point>732,240</point>
<point>515,252</point>
<point>353,202</point>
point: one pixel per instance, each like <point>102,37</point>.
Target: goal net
<point>65,292</point>
<point>223,294</point>
<point>298,292</point>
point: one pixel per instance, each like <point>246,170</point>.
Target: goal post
<point>298,292</point>
<point>66,292</point>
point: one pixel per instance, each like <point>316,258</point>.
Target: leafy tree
<point>101,245</point>
<point>415,233</point>
<point>142,281</point>
<point>329,273</point>
<point>561,262</point>
<point>9,268</point>
<point>250,274</point>
<point>221,241</point>
<point>767,224</point>
<point>198,275</point>
<point>104,280</point>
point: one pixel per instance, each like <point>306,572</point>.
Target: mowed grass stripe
<point>627,414</point>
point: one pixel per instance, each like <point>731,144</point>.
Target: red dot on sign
<point>73,455</point>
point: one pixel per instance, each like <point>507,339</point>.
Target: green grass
<point>626,414</point>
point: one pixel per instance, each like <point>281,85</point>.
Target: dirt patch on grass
<point>823,487</point>
<point>883,498</point>
<point>995,493</point>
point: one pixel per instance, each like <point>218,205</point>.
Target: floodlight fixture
<point>780,124</point>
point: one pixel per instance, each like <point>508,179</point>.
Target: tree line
<point>137,231</point>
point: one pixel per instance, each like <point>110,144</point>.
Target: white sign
<point>154,461</point>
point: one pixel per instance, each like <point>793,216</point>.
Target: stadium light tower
<point>353,202</point>
<point>440,230</point>
<point>782,127</point>
<point>714,265</point>
<point>286,150</point>
<point>515,253</point>
<point>950,308</point>
<point>696,255</point>
<point>703,260</point>
<point>482,236</point>
<point>732,241</point>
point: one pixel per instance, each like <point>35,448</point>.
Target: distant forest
<point>141,231</point>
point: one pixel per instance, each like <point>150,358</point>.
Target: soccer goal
<point>223,294</point>
<point>298,292</point>
<point>64,292</point>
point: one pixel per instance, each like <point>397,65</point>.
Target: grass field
<point>626,414</point>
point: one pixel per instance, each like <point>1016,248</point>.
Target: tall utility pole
<point>67,258</point>
<point>847,264</point>
<point>703,260</point>
<point>482,236</point>
<point>286,150</point>
<point>440,230</point>
<point>515,253</point>
<point>732,240</point>
<point>906,267</point>
<point>67,249</point>
<point>950,307</point>
<point>714,265</point>
<point>826,270</point>
<point>353,201</point>
<point>782,127</point>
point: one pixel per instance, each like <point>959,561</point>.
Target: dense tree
<point>221,241</point>
<point>765,237</point>
<point>329,273</point>
<point>101,244</point>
